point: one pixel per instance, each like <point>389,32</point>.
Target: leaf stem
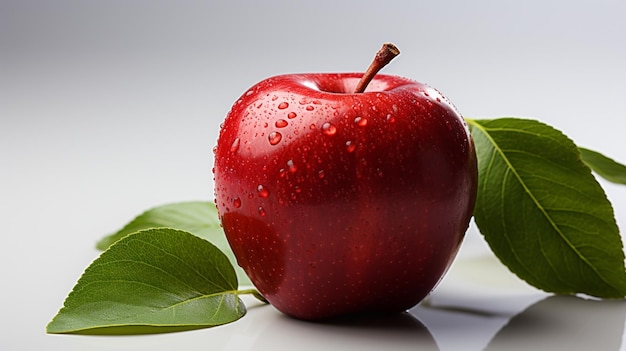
<point>253,292</point>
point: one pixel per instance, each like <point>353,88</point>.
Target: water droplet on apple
<point>283,105</point>
<point>281,123</point>
<point>275,97</point>
<point>360,121</point>
<point>261,211</point>
<point>250,92</point>
<point>317,102</point>
<point>262,191</point>
<point>282,172</point>
<point>274,138</point>
<point>390,118</point>
<point>310,108</point>
<point>291,166</point>
<point>291,115</point>
<point>329,129</point>
<point>235,145</point>
<point>237,202</point>
<point>350,146</point>
<point>320,174</point>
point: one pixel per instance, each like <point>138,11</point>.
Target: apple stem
<point>382,58</point>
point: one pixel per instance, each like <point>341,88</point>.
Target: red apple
<point>337,202</point>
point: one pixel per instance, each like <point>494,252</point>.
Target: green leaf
<point>542,212</point>
<point>196,217</point>
<point>156,280</point>
<point>604,166</point>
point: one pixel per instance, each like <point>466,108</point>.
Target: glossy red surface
<point>337,203</point>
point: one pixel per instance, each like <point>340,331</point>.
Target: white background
<point>108,108</point>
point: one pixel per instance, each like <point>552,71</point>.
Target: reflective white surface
<point>109,108</point>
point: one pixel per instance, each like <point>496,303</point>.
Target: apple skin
<point>336,202</point>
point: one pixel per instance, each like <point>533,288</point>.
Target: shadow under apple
<point>400,331</point>
<point>564,323</point>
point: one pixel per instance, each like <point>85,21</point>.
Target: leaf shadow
<point>137,330</point>
<point>564,323</point>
